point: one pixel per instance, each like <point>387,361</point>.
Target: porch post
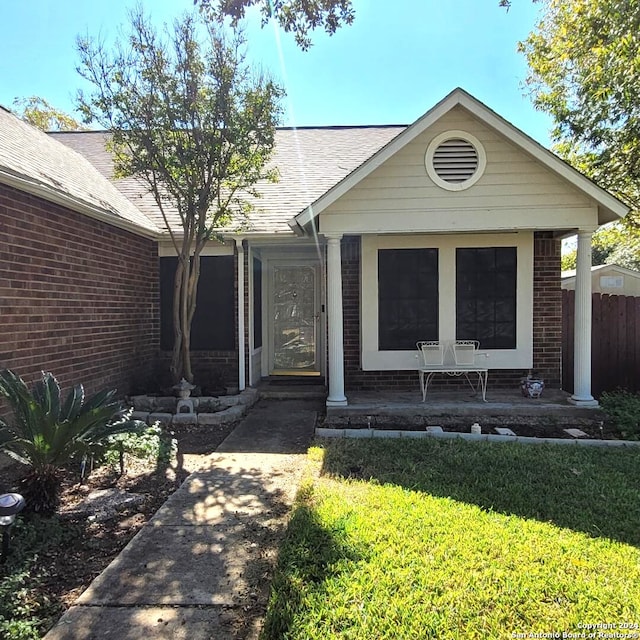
<point>336,396</point>
<point>241,341</point>
<point>582,332</point>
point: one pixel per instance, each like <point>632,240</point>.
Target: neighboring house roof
<point>309,160</point>
<point>611,279</point>
<point>571,273</point>
<point>36,163</point>
<point>609,207</point>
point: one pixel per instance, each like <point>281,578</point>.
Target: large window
<point>486,296</point>
<point>257,303</point>
<point>407,297</point>
<point>213,325</point>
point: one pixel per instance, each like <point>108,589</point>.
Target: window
<point>407,297</point>
<point>486,296</point>
<point>455,160</point>
<point>213,326</point>
<point>257,303</point>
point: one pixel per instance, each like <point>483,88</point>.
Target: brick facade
<point>547,307</point>
<point>547,324</point>
<point>78,297</point>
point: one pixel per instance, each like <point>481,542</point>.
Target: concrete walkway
<point>200,569</point>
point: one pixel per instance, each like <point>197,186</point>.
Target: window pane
<point>257,303</point>
<point>213,326</point>
<point>407,297</point>
<point>486,296</point>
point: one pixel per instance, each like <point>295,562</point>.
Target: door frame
<point>299,258</point>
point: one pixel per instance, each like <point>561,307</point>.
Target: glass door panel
<point>294,319</point>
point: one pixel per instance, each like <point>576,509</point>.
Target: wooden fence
<point>615,342</point>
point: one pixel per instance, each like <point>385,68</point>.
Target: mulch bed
<point>74,564</point>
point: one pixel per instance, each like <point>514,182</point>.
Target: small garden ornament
<point>532,385</point>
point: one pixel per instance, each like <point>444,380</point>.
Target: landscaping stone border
<point>214,410</point>
<point>323,432</point>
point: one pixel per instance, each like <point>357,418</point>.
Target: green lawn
<point>449,539</point>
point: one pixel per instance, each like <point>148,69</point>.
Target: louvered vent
<point>455,160</point>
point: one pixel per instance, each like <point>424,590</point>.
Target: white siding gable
<point>515,192</point>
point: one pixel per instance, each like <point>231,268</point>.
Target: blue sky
<point>388,68</point>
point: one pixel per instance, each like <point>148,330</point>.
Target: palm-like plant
<point>47,433</point>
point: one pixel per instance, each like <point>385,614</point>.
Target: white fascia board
<point>74,204</point>
<point>466,221</point>
<point>167,250</point>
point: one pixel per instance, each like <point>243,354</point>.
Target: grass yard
<point>450,539</point>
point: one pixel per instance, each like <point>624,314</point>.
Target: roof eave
<point>61,198</point>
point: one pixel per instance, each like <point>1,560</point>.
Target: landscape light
<point>11,504</point>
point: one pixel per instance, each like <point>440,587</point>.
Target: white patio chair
<point>465,355</point>
<point>432,352</point>
<point>465,352</point>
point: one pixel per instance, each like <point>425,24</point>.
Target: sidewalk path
<point>200,569</point>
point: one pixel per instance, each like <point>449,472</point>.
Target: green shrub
<point>153,443</point>
<point>25,611</point>
<point>47,433</point>
<point>623,409</point>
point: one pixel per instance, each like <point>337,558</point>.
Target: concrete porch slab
<point>389,409</point>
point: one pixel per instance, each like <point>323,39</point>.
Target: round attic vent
<point>455,160</point>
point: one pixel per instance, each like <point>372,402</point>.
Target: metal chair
<point>465,352</point>
<point>432,352</point>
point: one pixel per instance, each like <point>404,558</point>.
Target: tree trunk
<point>192,290</point>
<point>178,336</point>
<point>184,305</point>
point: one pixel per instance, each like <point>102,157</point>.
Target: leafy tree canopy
<point>584,70</point>
<point>294,16</point>
<point>613,244</point>
<point>190,118</point>
<point>39,113</point>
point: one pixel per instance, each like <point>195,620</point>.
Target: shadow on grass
<point>308,556</point>
<point>590,490</point>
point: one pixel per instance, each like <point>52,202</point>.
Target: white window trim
<point>375,360</point>
<point>448,135</point>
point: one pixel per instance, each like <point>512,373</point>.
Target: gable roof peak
<point>609,207</point>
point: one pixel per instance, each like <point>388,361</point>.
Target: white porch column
<point>582,332</point>
<point>336,396</point>
<point>241,341</point>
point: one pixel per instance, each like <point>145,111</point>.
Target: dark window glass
<point>407,297</point>
<point>213,327</point>
<point>486,296</point>
<point>257,303</point>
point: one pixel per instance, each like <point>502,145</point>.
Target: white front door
<point>294,319</point>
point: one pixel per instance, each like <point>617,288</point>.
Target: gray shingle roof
<point>310,160</point>
<point>37,160</point>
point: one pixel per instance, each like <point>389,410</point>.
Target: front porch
<point>458,409</point>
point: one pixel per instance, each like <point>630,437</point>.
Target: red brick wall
<point>78,297</point>
<point>547,324</point>
<point>547,308</point>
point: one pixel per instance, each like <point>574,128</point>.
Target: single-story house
<point>372,239</point>
<point>607,278</point>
